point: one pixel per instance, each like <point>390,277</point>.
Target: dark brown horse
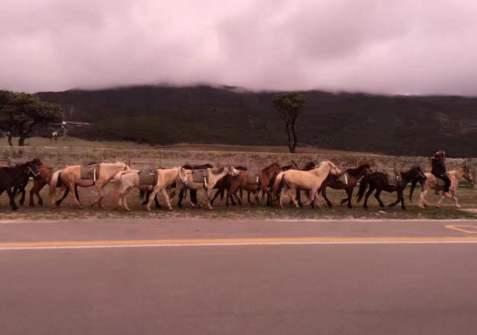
<point>14,177</point>
<point>380,182</point>
<point>350,177</point>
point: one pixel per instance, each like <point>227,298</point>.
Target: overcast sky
<point>379,46</point>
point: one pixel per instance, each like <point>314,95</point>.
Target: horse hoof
<point>31,205</point>
<point>458,206</point>
<point>148,209</point>
<point>171,209</point>
<point>404,208</point>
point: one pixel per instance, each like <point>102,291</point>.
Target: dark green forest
<point>397,125</point>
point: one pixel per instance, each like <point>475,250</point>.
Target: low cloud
<point>394,47</point>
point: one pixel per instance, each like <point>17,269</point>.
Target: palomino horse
<point>348,181</point>
<point>70,177</point>
<point>311,181</point>
<point>432,183</point>
<point>124,181</point>
<point>380,182</point>
<point>208,182</point>
<point>14,177</point>
<point>166,179</point>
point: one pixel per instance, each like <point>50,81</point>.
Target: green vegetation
<point>395,125</point>
<point>21,113</point>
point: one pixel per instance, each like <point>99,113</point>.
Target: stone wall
<point>153,158</point>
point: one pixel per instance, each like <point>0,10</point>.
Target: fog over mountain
<point>392,47</point>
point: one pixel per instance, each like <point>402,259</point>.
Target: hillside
<point>396,125</point>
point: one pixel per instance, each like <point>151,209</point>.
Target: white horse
<point>436,184</point>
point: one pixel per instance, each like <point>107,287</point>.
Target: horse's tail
<point>278,184</point>
<point>117,184</point>
<point>363,185</point>
<point>142,193</point>
<point>55,180</point>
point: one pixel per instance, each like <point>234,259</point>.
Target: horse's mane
<point>272,165</point>
<point>356,170</point>
<point>309,166</point>
<point>197,166</point>
<point>240,167</point>
<point>37,161</point>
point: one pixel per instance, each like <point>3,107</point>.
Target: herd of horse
<point>274,182</point>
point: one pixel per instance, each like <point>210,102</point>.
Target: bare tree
<point>289,106</point>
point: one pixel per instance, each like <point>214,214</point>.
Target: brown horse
<point>232,184</point>
<point>70,177</point>
<point>267,178</point>
<point>346,181</point>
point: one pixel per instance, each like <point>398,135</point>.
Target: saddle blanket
<point>393,179</point>
<point>252,178</point>
<point>148,177</point>
<point>199,176</point>
<point>90,172</point>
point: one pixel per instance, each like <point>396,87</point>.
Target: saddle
<point>147,177</point>
<point>343,178</point>
<point>253,178</point>
<point>199,176</point>
<point>90,172</point>
<point>440,182</point>
<point>393,179</point>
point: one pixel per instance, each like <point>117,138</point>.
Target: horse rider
<point>439,170</point>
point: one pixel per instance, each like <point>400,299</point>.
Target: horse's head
<point>183,175</point>
<point>333,168</point>
<point>367,169</point>
<point>32,169</point>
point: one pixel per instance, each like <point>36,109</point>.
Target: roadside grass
<point>68,210</point>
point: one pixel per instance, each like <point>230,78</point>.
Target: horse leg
<point>292,193</point>
<point>39,188</point>
<point>401,194</point>
<point>371,189</point>
<point>323,193</point>
<point>219,191</point>
<point>454,195</point>
<point>168,201</point>
<point>99,188</point>
<point>376,195</point>
<point>12,199</point>
<point>151,197</point>
<point>65,194</point>
<point>349,191</point>
<point>193,196</point>
<point>73,191</point>
<point>422,201</point>
<point>280,198</point>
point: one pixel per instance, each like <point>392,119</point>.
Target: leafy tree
<point>290,106</point>
<point>20,113</point>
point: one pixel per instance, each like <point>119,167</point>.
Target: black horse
<point>14,177</point>
<point>352,176</point>
<point>379,181</point>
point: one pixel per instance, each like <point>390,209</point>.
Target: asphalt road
<point>381,277</point>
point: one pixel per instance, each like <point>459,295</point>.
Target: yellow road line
<point>238,241</point>
<point>463,228</point>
